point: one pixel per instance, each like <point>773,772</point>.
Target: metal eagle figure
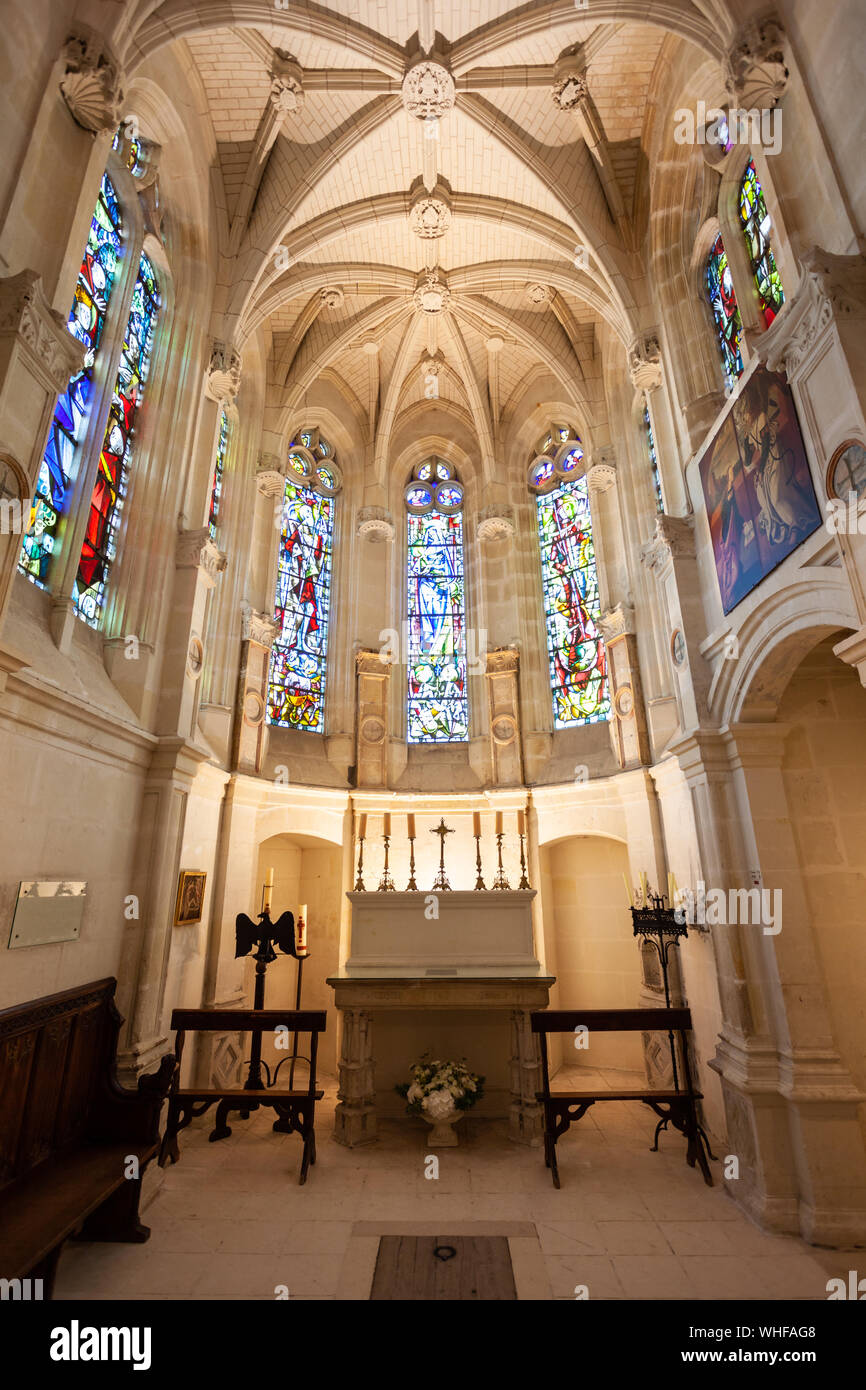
<point>265,934</point>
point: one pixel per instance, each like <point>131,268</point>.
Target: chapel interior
<point>433,505</point>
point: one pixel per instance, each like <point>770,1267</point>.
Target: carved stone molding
<point>196,550</point>
<point>503,703</point>
<point>496,524</point>
<point>223,376</point>
<point>271,475</point>
<point>375,524</point>
<point>257,627</point>
<point>428,91</point>
<point>537,293</point>
<point>332,297</point>
<point>644,362</point>
<point>26,313</point>
<point>617,622</point>
<point>674,537</point>
<point>570,90</point>
<point>601,473</point>
<point>430,213</point>
<point>92,85</point>
<point>831,287</point>
<point>371,756</point>
<point>287,89</point>
<point>432,295</point>
<point>756,66</point>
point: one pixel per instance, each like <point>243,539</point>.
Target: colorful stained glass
<point>219,467</point>
<point>112,479</point>
<point>578,669</point>
<point>654,461</point>
<point>86,322</point>
<point>438,693</point>
<point>723,302</point>
<point>296,695</point>
<point>757,224</point>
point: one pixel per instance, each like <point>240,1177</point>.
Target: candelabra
<point>411,886</point>
<point>386,882</point>
<point>359,881</point>
<point>500,881</point>
<point>479,881</point>
<point>263,934</point>
<point>524,881</point>
<point>655,921</point>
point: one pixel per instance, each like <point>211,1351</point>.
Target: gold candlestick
<point>500,881</point>
<point>524,881</point>
<point>386,882</point>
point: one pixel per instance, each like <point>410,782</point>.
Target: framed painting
<point>190,897</point>
<point>760,498</point>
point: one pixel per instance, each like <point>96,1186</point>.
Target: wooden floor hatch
<point>443,1268</point>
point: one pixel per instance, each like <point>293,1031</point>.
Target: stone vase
<point>444,1135</point>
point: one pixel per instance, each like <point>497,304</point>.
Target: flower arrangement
<point>437,1089</point>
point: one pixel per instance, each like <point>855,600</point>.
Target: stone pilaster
<point>198,564</point>
<point>249,739</point>
<point>371,758</point>
<point>670,556</point>
<point>503,709</point>
<point>628,725</point>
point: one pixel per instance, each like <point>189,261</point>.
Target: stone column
<point>645,370</point>
<point>628,726</point>
<point>503,704</point>
<point>197,565</point>
<point>249,739</point>
<point>525,1116</point>
<point>355,1116</point>
<point>37,357</point>
<point>371,758</point>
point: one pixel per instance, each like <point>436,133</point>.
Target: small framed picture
<point>190,897</point>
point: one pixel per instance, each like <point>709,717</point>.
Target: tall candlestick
<point>359,881</point>
<point>476,830</point>
<point>411,886</point>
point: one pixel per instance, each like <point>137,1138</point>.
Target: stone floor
<point>230,1221</point>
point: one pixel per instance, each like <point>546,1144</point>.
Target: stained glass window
<point>296,694</point>
<point>112,479</point>
<point>86,322</point>
<point>654,461</point>
<point>756,224</point>
<point>219,466</point>
<point>578,667</point>
<point>438,696</point>
<point>723,302</point>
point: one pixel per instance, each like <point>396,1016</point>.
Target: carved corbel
<point>644,362</point>
<point>93,84</point>
<point>223,375</point>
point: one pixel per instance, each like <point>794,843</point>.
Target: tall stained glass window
<point>438,696</point>
<point>654,460</point>
<point>296,693</point>
<point>86,322</point>
<point>218,469</point>
<point>723,302</point>
<point>576,652</point>
<point>756,224</point>
<point>112,479</point>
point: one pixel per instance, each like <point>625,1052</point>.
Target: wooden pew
<point>68,1130</point>
<point>677,1107</point>
<point>295,1109</point>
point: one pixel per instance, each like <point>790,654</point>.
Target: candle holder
<point>655,921</point>
<point>264,935</point>
<point>411,886</point>
<point>524,881</point>
<point>386,882</point>
<point>500,881</point>
<point>359,881</point>
<point>479,881</point>
<point>440,882</point>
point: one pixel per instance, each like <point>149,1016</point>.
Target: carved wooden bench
<point>69,1132</point>
<point>296,1109</point>
<point>677,1107</point>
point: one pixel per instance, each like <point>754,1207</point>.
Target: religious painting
<point>190,897</point>
<point>758,490</point>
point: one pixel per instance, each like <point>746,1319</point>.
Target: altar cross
<point>440,881</point>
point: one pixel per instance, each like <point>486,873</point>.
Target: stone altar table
<point>451,970</point>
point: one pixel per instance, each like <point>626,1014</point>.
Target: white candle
<point>269,885</point>
<point>628,893</point>
<point>301,931</point>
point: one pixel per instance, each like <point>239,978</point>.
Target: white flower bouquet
<point>437,1089</point>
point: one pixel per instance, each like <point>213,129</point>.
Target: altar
<point>454,973</point>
